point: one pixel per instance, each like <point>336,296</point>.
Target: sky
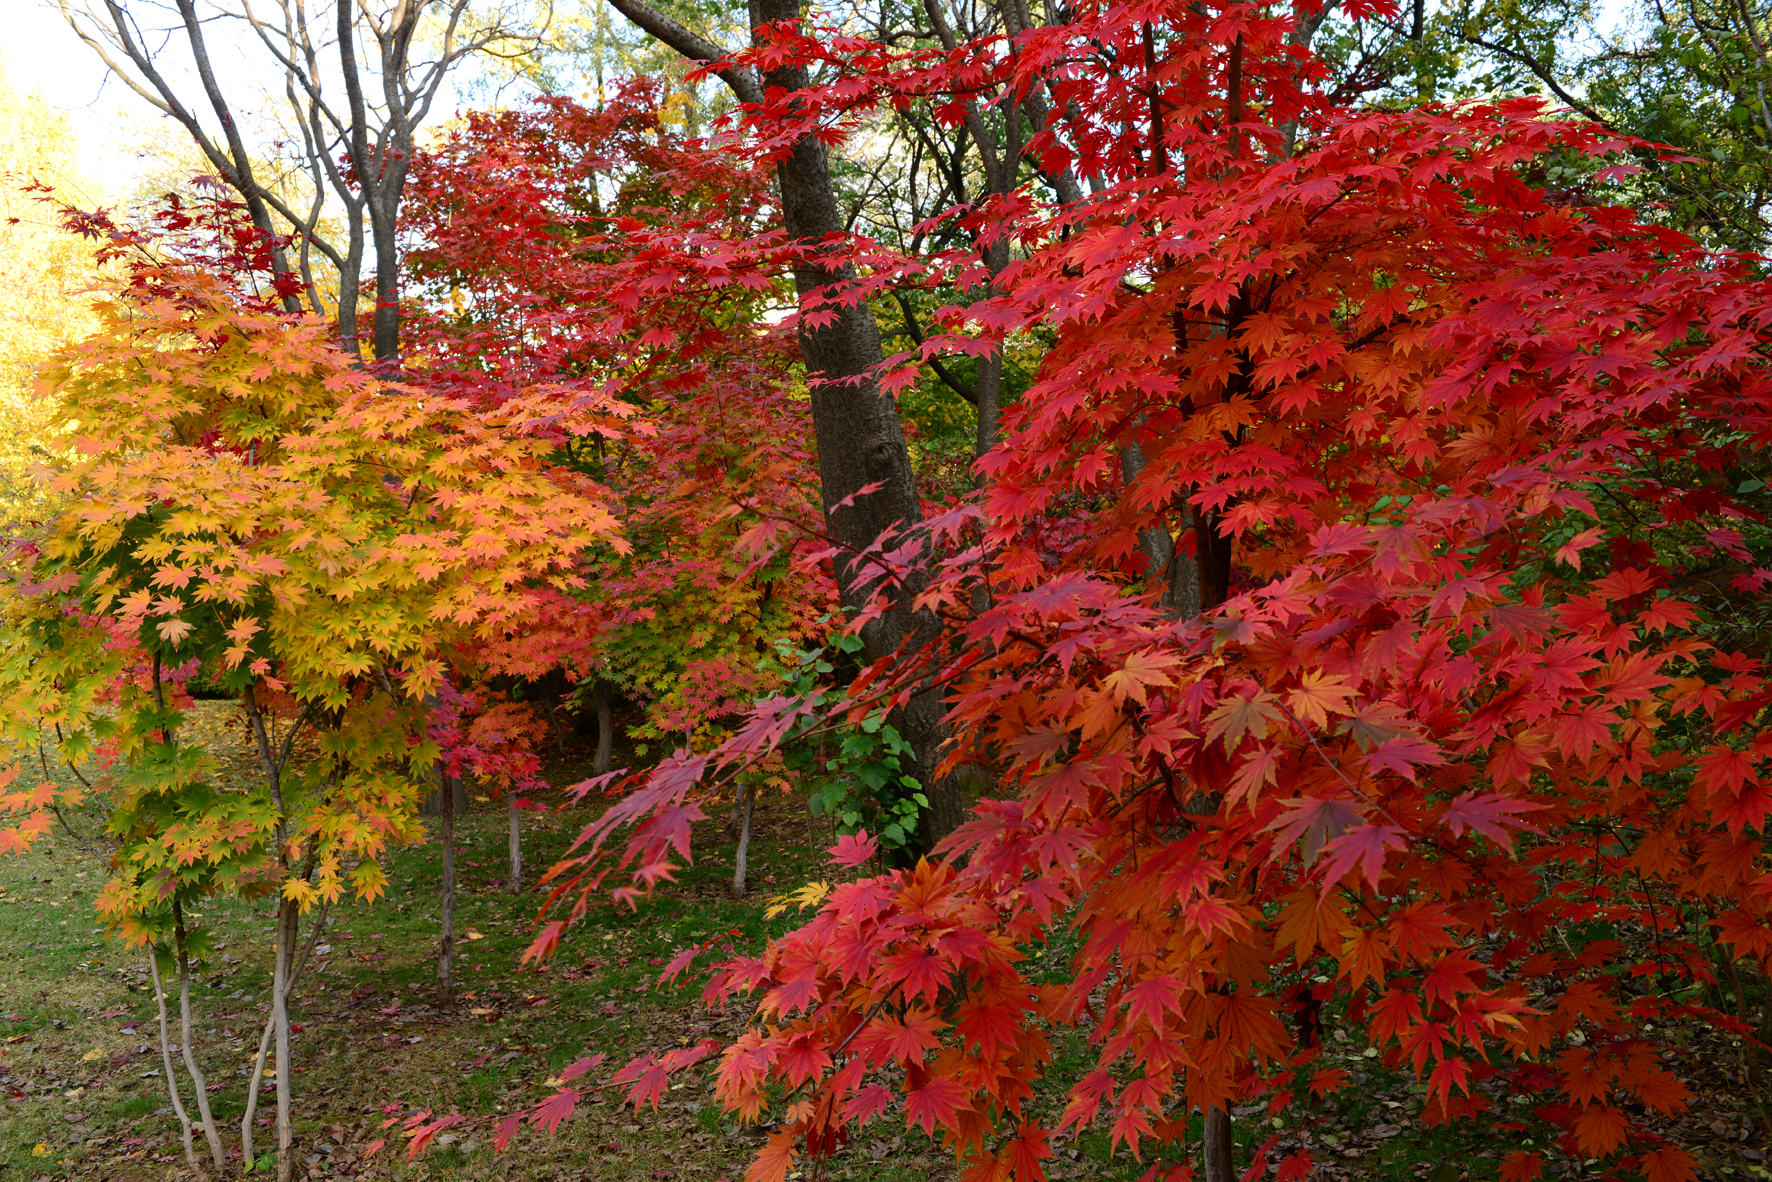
<point>43,55</point>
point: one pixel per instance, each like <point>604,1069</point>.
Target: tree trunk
<point>1756,1064</point>
<point>860,441</point>
<point>605,730</point>
<point>350,282</point>
<point>516,875</point>
<point>432,803</point>
<point>446,947</point>
<point>1212,557</point>
<point>747,801</point>
<point>1219,1166</point>
<point>291,970</point>
<point>559,730</point>
<point>990,408</point>
<point>387,281</point>
<point>990,368</point>
<point>1168,565</point>
<point>1183,595</point>
<point>178,1104</point>
<point>288,921</point>
<point>199,1085</point>
<point>254,1086</point>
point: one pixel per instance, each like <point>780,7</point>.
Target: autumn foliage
<point>1459,750</point>
<point>325,543</point>
<point>1467,748</point>
<point>597,250</point>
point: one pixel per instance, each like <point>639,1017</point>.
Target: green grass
<point>372,1040</point>
<point>374,1046</point>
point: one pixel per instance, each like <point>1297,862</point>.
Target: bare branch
<point>691,45</point>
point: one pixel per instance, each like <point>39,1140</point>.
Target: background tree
<point>356,87</point>
<point>526,225</point>
<point>1693,76</point>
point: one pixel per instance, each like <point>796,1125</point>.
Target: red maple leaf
<point>939,1101</point>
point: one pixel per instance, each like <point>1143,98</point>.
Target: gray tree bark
<point>860,440</point>
<point>446,943</point>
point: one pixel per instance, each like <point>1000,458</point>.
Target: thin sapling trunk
<point>178,1104</point>
<point>446,948</point>
<point>747,802</point>
<point>274,759</point>
<point>255,1081</point>
<point>516,876</point>
<point>288,917</point>
<point>198,1083</point>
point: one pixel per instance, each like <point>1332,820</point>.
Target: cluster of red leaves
<point>1454,713</point>
<point>596,249</point>
<point>481,732</point>
<point>205,231</point>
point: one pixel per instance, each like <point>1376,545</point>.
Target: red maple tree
<point>1439,448</point>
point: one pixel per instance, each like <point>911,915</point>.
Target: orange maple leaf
<point>1319,695</point>
<point>773,1162</point>
<point>1600,1128</point>
<point>1667,1164</point>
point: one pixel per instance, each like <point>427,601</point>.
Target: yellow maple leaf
<point>1140,671</point>
<point>1241,716</point>
<point>810,895</point>
<point>173,631</point>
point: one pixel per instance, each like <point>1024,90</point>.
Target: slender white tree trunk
<point>178,1104</point>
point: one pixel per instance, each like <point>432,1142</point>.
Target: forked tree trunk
<point>291,967</point>
<point>178,1104</point>
<point>199,1085</point>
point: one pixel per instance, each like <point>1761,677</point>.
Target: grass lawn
<point>80,1090</point>
<point>81,1097</point>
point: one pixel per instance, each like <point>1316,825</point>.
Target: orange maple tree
<point>244,497</point>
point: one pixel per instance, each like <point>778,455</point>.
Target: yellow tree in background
<point>43,269</point>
